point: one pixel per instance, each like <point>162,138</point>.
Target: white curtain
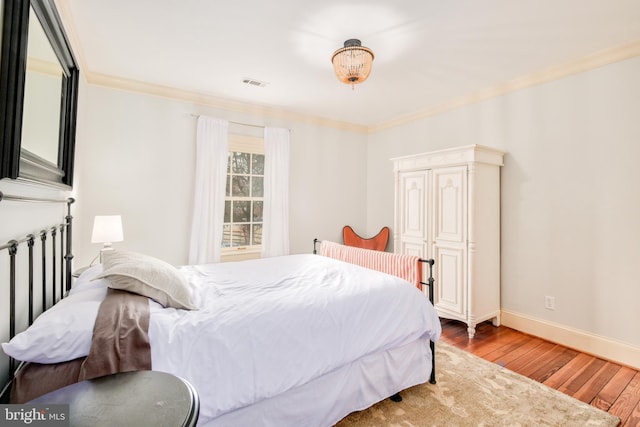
<point>212,150</point>
<point>275,229</point>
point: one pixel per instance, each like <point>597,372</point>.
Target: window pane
<point>243,214</point>
<point>240,162</point>
<point>257,234</point>
<point>241,211</point>
<point>257,186</point>
<point>226,236</point>
<point>227,212</point>
<point>240,235</point>
<point>257,164</point>
<point>257,211</point>
<point>240,186</point>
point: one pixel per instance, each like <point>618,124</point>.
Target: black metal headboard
<point>55,269</point>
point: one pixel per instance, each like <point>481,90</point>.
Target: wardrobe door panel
<point>450,202</point>
<point>413,203</point>
<point>450,279</point>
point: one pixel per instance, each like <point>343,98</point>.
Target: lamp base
<point>106,248</point>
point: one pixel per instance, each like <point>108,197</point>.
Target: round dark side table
<point>141,398</point>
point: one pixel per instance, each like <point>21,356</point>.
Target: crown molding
<point>586,63</point>
<point>216,102</point>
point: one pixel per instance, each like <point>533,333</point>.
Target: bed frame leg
<point>430,284</point>
<point>396,398</point>
<point>432,378</point>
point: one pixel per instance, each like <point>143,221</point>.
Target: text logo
<point>34,415</point>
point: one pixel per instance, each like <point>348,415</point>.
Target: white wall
<point>570,206</point>
<point>136,155</point>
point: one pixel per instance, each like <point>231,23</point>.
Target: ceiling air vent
<point>254,82</point>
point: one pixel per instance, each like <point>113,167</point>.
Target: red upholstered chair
<point>376,243</point>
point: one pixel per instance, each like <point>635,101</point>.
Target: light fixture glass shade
<point>352,63</point>
<point>107,229</point>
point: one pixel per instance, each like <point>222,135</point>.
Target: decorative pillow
<point>147,276</point>
<point>61,333</point>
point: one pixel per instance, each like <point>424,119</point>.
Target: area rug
<point>474,392</point>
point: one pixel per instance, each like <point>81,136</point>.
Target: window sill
<point>240,255</point>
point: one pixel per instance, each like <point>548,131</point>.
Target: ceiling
<point>427,52</point>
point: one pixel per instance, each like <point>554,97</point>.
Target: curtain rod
<point>235,123</point>
<point>247,124</point>
<point>239,123</point>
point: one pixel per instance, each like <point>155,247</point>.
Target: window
<point>244,195</point>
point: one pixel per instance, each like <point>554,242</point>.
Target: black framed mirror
<point>39,80</point>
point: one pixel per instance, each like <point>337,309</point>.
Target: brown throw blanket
<point>120,344</point>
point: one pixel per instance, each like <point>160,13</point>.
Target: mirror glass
<point>42,95</point>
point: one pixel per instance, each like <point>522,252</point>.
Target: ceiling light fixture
<point>352,63</point>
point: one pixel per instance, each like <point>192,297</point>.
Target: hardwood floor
<point>603,384</point>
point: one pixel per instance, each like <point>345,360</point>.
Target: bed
<point>303,339</point>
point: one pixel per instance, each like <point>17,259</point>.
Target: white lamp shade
<point>107,229</point>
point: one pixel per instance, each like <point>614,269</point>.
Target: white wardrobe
<point>447,207</point>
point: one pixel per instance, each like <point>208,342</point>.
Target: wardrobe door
<point>413,225</point>
<point>449,240</point>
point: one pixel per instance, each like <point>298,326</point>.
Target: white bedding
<point>324,401</point>
<point>271,325</point>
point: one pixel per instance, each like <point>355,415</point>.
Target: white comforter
<point>269,325</point>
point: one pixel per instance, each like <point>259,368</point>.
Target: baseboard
<point>606,348</point>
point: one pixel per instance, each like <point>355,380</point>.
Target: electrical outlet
<point>550,302</point>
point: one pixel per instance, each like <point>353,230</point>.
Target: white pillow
<point>62,333</point>
<point>85,280</point>
<point>147,276</point>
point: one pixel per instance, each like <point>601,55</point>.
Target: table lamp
<point>107,229</point>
